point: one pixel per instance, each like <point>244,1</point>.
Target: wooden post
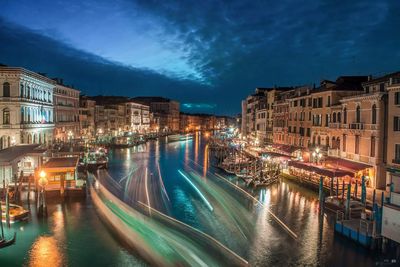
<point>337,187</point>
<point>343,189</point>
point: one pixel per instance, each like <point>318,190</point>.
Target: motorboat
<point>179,137</point>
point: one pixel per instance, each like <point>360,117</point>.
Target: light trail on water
<point>197,190</point>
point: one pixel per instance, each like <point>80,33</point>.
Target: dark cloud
<point>90,73</point>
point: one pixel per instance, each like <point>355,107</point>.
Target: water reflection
<point>46,251</point>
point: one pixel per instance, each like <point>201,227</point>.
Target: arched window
<point>319,140</point>
<point>334,117</point>
<point>6,89</point>
<point>358,114</point>
<point>22,114</point>
<point>339,117</point>
<point>345,115</point>
<point>29,92</point>
<point>21,93</point>
<point>6,116</point>
<point>373,114</point>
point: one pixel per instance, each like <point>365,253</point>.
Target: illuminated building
<point>137,117</point>
<point>66,112</point>
<point>26,104</point>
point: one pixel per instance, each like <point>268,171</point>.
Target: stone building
<point>299,119</point>
<point>165,112</point>
<point>250,106</point>
<point>66,112</point>
<point>87,118</point>
<point>137,117</point>
<point>26,104</point>
<point>281,117</point>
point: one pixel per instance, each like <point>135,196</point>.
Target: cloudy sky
<point>207,54</point>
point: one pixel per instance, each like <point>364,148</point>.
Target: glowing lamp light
<point>42,178</point>
<point>317,150</point>
<point>314,154</point>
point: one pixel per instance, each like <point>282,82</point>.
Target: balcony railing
<point>334,125</point>
<point>396,161</point>
<point>356,126</point>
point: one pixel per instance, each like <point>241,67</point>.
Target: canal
<point>178,179</point>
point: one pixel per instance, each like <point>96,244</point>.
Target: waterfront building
<point>281,117</point>
<point>362,131</point>
<point>165,112</point>
<point>62,176</point>
<point>100,121</point>
<point>115,118</point>
<point>137,117</point>
<point>391,210</point>
<point>250,106</point>
<point>392,152</point>
<point>19,160</point>
<point>299,119</point>
<point>87,109</point>
<point>26,104</point>
<point>66,112</point>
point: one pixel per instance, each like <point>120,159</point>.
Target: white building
<point>26,106</point>
<point>137,117</point>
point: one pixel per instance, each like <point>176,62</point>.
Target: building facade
<point>137,117</point>
<point>87,124</point>
<point>26,104</point>
<point>66,112</point>
<point>165,112</point>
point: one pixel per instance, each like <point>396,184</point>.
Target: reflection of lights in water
<point>197,190</point>
<point>147,190</point>
<point>45,251</point>
<point>58,221</point>
<point>196,147</point>
<point>205,163</point>
<point>265,196</point>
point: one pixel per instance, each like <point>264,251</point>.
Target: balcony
<point>356,126</point>
<point>396,161</point>
<point>334,125</point>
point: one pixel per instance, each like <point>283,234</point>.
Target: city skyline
<point>198,53</point>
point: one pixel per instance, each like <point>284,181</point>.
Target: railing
<point>356,126</point>
<point>396,161</point>
<point>334,125</point>
<point>395,199</point>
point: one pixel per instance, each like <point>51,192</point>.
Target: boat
<point>5,243</point>
<point>17,213</point>
<point>179,137</point>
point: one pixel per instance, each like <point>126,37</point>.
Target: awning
<point>346,164</point>
<point>286,148</point>
<point>320,170</point>
<point>70,162</point>
<point>276,155</point>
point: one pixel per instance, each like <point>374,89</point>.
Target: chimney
<point>369,77</point>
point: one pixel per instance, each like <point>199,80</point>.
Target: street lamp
<point>42,201</point>
<point>317,155</point>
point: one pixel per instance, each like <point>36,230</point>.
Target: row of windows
<point>336,117</point>
<point>29,92</point>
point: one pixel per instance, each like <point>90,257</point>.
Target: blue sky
<point>208,54</point>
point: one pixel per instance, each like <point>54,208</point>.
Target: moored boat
<point>5,243</point>
<point>17,213</point>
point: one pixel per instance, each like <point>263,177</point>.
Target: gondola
<point>5,243</point>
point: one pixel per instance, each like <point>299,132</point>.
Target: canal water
<point>178,178</point>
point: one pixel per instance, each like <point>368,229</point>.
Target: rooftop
<point>9,154</point>
<point>70,162</point>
